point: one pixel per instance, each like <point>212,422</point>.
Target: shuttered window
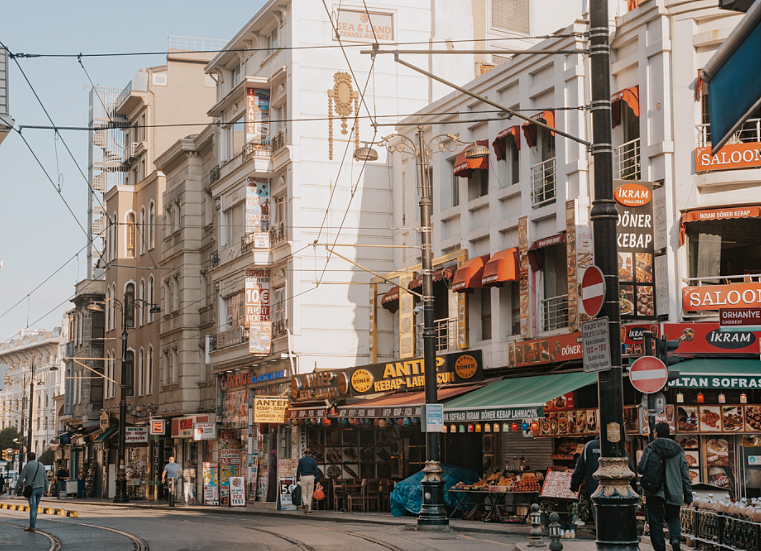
<point>510,15</point>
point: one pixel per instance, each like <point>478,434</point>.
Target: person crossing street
<point>33,474</point>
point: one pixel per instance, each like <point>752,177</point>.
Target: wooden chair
<point>386,487</point>
<point>355,500</point>
<point>339,494</point>
<point>371,493</point>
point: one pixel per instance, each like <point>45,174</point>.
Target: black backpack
<point>296,495</point>
<point>654,474</point>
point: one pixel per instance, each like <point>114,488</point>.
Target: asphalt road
<point>181,530</point>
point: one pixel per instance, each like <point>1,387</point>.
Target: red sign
<point>707,338</point>
<point>557,348</point>
<point>592,290</point>
<point>158,426</point>
<point>739,155</point>
<point>739,317</point>
<point>560,403</point>
<point>632,195</point>
<point>648,374</point>
<point>716,297</point>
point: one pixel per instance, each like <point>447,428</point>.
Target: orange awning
<point>534,258</point>
<point>399,404</point>
<point>748,211</point>
<point>438,275</point>
<point>529,128</point>
<point>630,5</point>
<point>630,96</point>
<point>390,300</point>
<point>464,167</point>
<point>502,267</point>
<point>470,274</point>
<point>499,145</point>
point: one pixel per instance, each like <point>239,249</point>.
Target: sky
<point>38,235</point>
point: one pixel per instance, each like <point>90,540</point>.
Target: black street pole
<point>615,499</point>
<point>31,409</point>
<point>650,401</point>
<point>120,496</point>
<point>432,513</point>
<point>23,425</point>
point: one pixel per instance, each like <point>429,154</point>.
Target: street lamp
<point>432,513</point>
<point>120,496</point>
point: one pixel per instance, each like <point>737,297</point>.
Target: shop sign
<point>744,318</point>
<point>557,348</point>
<point>320,385</point>
<point>270,409</point>
<point>379,412</point>
<point>523,277</point>
<point>237,491</point>
<point>182,427</point>
<point>723,381</point>
<point>105,420</point>
<point>633,338</point>
<point>497,414</point>
<point>248,378</point>
<point>707,338</point>
<point>204,431</point>
<point>158,427</point>
<point>307,413</point>
<point>563,402</point>
<point>257,115</point>
<point>636,250</point>
<point>715,297</point>
<point>136,435</point>
<point>363,26</point>
<point>739,155</point>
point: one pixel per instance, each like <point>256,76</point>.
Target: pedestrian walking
<point>666,483</point>
<point>307,474</point>
<point>171,472</point>
<point>61,477</point>
<point>33,477</point>
<point>189,478</point>
<point>2,483</point>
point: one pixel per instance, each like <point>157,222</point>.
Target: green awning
<point>509,399</point>
<point>109,431</point>
<point>725,373</point>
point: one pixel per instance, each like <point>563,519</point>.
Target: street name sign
<point>595,342</point>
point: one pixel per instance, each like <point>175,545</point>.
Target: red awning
<point>631,4</point>
<point>534,258</point>
<point>464,167</point>
<point>699,85</point>
<point>470,274</point>
<point>748,211</point>
<point>529,128</point>
<point>390,300</point>
<point>502,267</point>
<point>630,96</point>
<point>438,275</point>
<point>399,404</point>
<point>499,145</point>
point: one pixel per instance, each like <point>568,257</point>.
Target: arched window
<point>108,309</point>
<point>129,305</point>
<point>130,235</point>
<point>113,306</point>
<point>151,225</point>
<point>149,372</point>
<point>141,229</point>
<point>150,298</point>
<point>140,366</point>
<point>129,373</point>
<point>141,304</point>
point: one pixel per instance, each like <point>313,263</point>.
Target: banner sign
<point>136,435</point>
<point>406,318</point>
<point>257,312</point>
<point>715,297</point>
<point>708,338</point>
<point>553,349</point>
<point>257,205</point>
<point>497,414</point>
<point>237,491</point>
<point>248,378</point>
<point>257,115</point>
<point>636,248</point>
<point>270,409</point>
<point>742,318</point>
<point>182,427</point>
<point>523,277</point>
<point>740,155</point>
<point>363,26</point>
<point>205,431</point>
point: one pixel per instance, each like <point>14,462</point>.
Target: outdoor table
<point>476,499</point>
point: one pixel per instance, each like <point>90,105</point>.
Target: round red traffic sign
<point>592,290</point>
<point>648,374</point>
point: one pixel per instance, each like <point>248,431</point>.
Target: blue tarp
<point>408,494</point>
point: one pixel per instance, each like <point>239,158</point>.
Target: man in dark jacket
<point>666,502</point>
<point>308,474</point>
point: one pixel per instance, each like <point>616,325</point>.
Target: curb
<point>40,510</point>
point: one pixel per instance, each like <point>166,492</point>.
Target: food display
<point>753,418</point>
<point>692,458</point>
<point>694,476</point>
<point>626,300</point>
<point>645,304</point>
<point>687,419</point>
<point>717,452</point>
<point>351,452</point>
<point>625,266</point>
<point>710,419</point>
<point>687,442</point>
<point>732,418</point>
<point>557,485</point>
<point>504,482</point>
<point>644,267</point>
<point>569,422</point>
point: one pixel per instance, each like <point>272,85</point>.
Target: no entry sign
<point>648,374</point>
<point>592,290</point>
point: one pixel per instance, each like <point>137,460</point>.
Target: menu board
<point>566,423</point>
<point>557,485</point>
<point>718,461</point>
<point>719,419</point>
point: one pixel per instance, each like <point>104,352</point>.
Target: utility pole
<point>31,408</point>
<point>615,499</point>
<point>120,496</point>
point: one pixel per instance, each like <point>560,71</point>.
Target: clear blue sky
<point>37,233</point>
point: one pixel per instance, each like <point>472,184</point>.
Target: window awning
<point>390,300</point>
<point>105,435</point>
<point>724,373</point>
<point>499,145</point>
<point>509,399</point>
<point>630,96</point>
<point>529,128</point>
<point>470,274</point>
<point>438,275</point>
<point>502,267</point>
<point>534,258</point>
<point>747,211</point>
<point>464,167</point>
<point>399,404</point>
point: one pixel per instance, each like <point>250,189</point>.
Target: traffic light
<point>5,455</point>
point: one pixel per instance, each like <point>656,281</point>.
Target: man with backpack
<point>666,482</point>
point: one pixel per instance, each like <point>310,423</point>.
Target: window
<point>130,235</point>
<point>168,357</point>
<point>129,373</point>
<point>168,221</point>
<point>177,225</point>
<point>511,169</point>
<point>543,172</point>
<point>177,295</point>
<point>168,298</point>
<point>150,298</point>
<point>235,305</point>
<point>511,15</point>
<point>140,367</point>
<point>455,186</point>
<point>208,208</point>
<point>236,75</point>
<point>485,313</point>
<point>151,225</point>
<point>129,305</point>
<point>515,309</point>
<point>273,40</point>
<point>478,184</point>
<point>141,229</point>
<point>278,310</point>
<point>555,287</point>
<point>235,137</point>
<point>720,249</point>
<point>113,306</point>
<point>114,245</point>
<point>149,372</point>
<point>175,375</point>
<point>141,304</point>
<point>235,225</point>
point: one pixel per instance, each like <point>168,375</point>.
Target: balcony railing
<point>279,327</point>
<point>214,174</point>
<point>555,312</point>
<point>231,337</point>
<point>749,133</point>
<point>279,141</point>
<point>258,150</point>
<point>543,183</point>
<point>446,334</point>
<point>247,242</point>
<point>626,160</point>
<point>214,260</point>
<point>278,234</point>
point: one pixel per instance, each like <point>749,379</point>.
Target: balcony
<point>278,234</point>
<point>258,150</point>
<point>749,133</point>
<point>279,142</point>
<point>705,296</point>
<point>626,161</point>
<point>213,260</point>
<point>279,328</point>
<point>231,337</point>
<point>214,174</point>
<point>252,241</point>
<point>446,334</point>
<point>543,183</point>
<point>554,312</point>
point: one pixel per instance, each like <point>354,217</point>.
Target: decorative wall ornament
<point>346,101</point>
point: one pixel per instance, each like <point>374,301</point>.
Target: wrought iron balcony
<point>750,132</point>
<point>231,337</point>
<point>555,312</point>
<point>543,183</point>
<point>214,260</point>
<point>278,234</point>
<point>214,174</point>
<point>279,327</point>
<point>279,142</point>
<point>261,150</point>
<point>446,334</point>
<point>626,161</point>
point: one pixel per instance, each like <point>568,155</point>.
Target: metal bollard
<point>555,533</point>
<point>535,534</point>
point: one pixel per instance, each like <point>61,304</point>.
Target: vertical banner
<point>570,251</point>
<point>458,302</point>
<point>257,314</point>
<point>257,115</point>
<point>258,211</point>
<point>406,319</point>
<point>524,290</point>
<point>373,328</point>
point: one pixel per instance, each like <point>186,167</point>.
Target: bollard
<point>535,534</point>
<point>555,533</point>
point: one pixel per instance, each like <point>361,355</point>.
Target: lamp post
<point>128,305</point>
<point>432,513</point>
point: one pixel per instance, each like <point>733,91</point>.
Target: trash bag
<point>407,496</point>
<point>296,495</point>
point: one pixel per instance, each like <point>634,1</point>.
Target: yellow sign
<point>465,366</point>
<point>361,380</point>
<point>270,409</point>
